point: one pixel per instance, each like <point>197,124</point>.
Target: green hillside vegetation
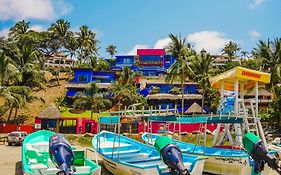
<point>25,90</point>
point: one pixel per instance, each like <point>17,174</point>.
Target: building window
<point>82,78</point>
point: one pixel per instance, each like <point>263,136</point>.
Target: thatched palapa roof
<point>87,85</point>
<point>50,112</point>
<point>195,108</point>
<point>162,96</point>
<point>262,92</point>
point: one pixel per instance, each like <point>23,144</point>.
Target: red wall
<point>184,127</point>
<point>6,128</point>
<point>150,52</point>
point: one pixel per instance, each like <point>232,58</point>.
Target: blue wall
<point>103,77</point>
<point>125,60</point>
<point>168,60</point>
<point>83,75</point>
<point>165,88</point>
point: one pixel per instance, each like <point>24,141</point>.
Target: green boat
<point>36,157</point>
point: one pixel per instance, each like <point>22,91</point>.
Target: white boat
<point>219,160</point>
<point>130,157</point>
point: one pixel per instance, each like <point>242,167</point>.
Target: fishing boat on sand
<point>47,153</point>
<point>219,160</point>
<point>122,155</point>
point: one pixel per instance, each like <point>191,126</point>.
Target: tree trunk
<point>182,93</point>
<point>9,117</point>
<point>58,73</point>
<point>4,112</point>
<point>203,98</point>
<point>16,113</point>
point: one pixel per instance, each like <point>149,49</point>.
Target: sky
<point>132,24</point>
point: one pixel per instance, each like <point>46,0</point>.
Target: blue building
<point>149,62</point>
<point>165,98</point>
<point>82,78</point>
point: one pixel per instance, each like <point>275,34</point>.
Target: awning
<point>244,75</point>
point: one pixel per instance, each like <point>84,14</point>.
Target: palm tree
<point>87,44</point>
<point>61,30</point>
<point>201,69</point>
<point>230,49</point>
<point>127,76</point>
<point>8,72</point>
<point>93,100</point>
<point>20,28</point>
<point>111,49</point>
<point>180,69</point>
<point>270,54</point>
<point>16,97</point>
<point>71,44</point>
<point>244,54</point>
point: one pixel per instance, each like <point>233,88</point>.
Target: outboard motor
<point>254,146</point>
<point>171,155</point>
<point>61,154</point>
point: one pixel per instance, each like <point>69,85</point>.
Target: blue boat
<point>219,160</point>
<point>122,155</point>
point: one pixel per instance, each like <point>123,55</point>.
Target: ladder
<point>250,120</point>
<point>202,130</point>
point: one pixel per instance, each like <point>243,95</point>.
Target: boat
<point>37,158</point>
<point>219,160</point>
<point>122,155</point>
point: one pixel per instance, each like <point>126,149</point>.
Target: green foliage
<point>180,70</point>
<point>231,49</point>
<point>175,91</point>
<point>111,49</point>
<point>154,90</point>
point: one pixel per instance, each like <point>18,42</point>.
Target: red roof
<point>150,52</point>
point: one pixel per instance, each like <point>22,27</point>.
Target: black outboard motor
<point>171,155</point>
<point>254,146</point>
<point>61,154</point>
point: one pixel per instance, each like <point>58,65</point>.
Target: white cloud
<point>134,50</point>
<point>254,34</point>
<point>256,3</point>
<point>211,41</point>
<point>162,43</point>
<point>35,9</point>
<point>37,28</point>
<point>4,32</point>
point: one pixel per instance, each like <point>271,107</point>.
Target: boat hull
<point>122,169</point>
<point>215,164</point>
<point>36,158</point>
<point>134,158</point>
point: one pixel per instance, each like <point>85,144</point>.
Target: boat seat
<point>108,144</point>
<point>121,152</point>
<point>38,166</point>
<point>49,171</point>
<point>83,169</point>
<point>142,159</point>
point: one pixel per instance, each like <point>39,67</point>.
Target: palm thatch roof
<point>262,92</point>
<point>87,85</point>
<point>162,96</point>
<point>195,108</point>
<point>50,112</point>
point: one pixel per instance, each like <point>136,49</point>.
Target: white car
<point>16,137</point>
<point>277,141</point>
